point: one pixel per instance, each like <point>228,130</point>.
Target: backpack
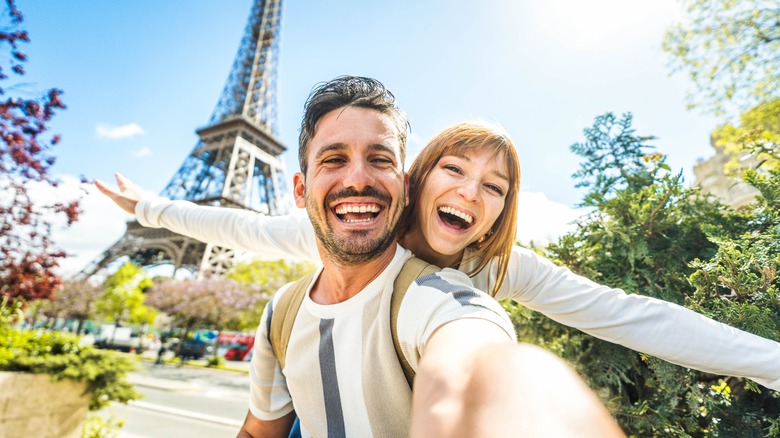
<point>286,309</point>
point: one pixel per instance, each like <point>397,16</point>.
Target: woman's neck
<point>415,242</point>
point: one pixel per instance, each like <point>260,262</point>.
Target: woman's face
<point>461,199</point>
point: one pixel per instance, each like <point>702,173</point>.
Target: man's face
<point>355,187</point>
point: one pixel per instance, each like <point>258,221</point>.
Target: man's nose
<point>359,175</point>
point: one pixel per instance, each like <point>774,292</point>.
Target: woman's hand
<point>128,195</point>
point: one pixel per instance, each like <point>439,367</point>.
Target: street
<point>183,401</point>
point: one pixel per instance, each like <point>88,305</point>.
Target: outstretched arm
<point>648,325</point>
<point>243,230</point>
<point>473,381</point>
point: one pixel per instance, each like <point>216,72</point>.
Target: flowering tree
<point>212,302</point>
<point>77,299</point>
<point>27,254</point>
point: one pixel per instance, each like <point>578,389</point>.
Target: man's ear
<point>299,189</point>
<point>406,189</point>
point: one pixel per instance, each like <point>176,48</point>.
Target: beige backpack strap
<point>283,316</point>
<point>412,270</point>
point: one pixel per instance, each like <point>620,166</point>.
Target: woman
<point>462,213</point>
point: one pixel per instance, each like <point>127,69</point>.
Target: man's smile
<point>354,212</point>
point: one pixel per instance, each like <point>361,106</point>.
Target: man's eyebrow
<point>330,148</point>
<point>383,148</point>
<point>341,146</point>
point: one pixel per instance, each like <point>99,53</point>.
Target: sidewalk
<point>193,376</point>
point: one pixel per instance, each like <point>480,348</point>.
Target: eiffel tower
<point>234,164</point>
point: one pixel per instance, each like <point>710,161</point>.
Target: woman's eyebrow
<point>497,173</point>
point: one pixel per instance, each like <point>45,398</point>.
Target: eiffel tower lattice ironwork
<point>234,164</point>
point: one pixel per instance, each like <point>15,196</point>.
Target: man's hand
<point>128,195</point>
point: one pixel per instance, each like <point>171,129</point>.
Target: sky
<point>140,77</point>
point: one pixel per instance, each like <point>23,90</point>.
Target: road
<point>183,401</point>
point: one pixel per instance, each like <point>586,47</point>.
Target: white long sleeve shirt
<point>648,325</point>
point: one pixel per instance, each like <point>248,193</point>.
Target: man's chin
<point>355,251</point>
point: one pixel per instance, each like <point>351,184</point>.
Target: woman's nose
<point>469,190</point>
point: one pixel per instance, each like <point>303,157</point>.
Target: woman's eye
<point>495,188</point>
<point>453,168</point>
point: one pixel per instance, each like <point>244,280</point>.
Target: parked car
<point>236,346</point>
<point>122,339</point>
<point>195,349</point>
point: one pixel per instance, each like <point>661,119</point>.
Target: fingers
<point>126,198</point>
<point>122,182</point>
<point>104,189</point>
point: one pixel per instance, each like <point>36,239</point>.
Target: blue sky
<point>139,77</point>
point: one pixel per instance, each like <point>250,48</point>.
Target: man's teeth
<point>344,209</point>
<point>465,216</point>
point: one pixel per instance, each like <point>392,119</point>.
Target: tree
<point>730,51</point>
<point>648,234</point>
<point>77,299</point>
<point>207,302</point>
<point>757,136</point>
<point>123,296</point>
<point>28,257</point>
<point>264,278</point>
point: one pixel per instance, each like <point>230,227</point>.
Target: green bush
<point>215,361</point>
<point>61,356</point>
<point>648,234</point>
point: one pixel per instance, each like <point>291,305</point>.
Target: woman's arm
<point>652,326</point>
<point>272,236</point>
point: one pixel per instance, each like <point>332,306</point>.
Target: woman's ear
<point>299,190</point>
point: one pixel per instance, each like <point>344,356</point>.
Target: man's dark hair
<point>346,91</point>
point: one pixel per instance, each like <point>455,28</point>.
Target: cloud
<point>541,221</point>
<point>143,152</point>
<point>111,132</point>
<point>100,224</point>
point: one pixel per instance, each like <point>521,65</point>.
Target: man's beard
<point>354,249</point>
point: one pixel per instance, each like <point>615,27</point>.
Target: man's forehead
<point>356,126</point>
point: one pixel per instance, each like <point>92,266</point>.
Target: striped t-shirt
<point>342,375</point>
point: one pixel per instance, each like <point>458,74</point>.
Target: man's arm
<point>254,427</point>
<point>474,381</point>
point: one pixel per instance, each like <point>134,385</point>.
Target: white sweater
<point>648,325</point>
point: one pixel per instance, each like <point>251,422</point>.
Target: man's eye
<point>382,160</point>
<point>335,160</point>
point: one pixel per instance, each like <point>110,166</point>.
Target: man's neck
<point>339,282</point>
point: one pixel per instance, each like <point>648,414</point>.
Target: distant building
<point>711,177</point>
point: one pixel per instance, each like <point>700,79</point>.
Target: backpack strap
<point>412,270</point>
<point>286,309</point>
<point>283,317</point>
